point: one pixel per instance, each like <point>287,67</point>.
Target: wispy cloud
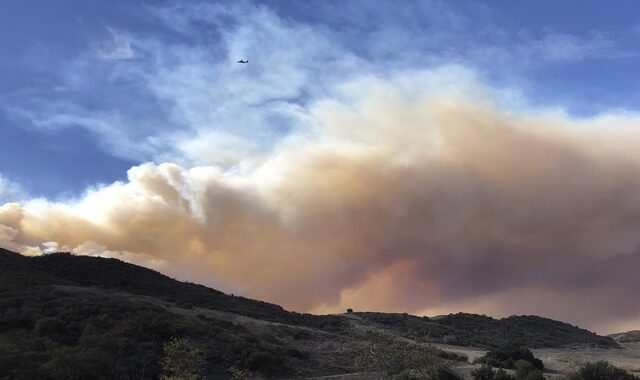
<point>116,47</point>
<point>186,100</point>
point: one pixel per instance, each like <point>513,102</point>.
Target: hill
<point>464,329</point>
<point>64,316</point>
<point>626,337</point>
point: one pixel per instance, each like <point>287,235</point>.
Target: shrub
<point>536,374</point>
<point>182,360</point>
<point>598,371</point>
<point>501,374</point>
<point>52,328</point>
<point>485,372</point>
<point>238,374</point>
<point>264,361</point>
<point>443,373</point>
<point>523,368</point>
<point>507,356</point>
<point>394,359</point>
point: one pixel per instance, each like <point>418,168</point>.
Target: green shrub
<point>264,362</point>
<point>507,356</point>
<point>523,368</point>
<point>600,370</point>
<point>485,372</point>
<point>443,373</point>
<point>182,360</point>
<point>52,328</point>
<point>501,374</point>
<point>536,374</point>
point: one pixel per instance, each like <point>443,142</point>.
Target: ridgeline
<point>64,316</point>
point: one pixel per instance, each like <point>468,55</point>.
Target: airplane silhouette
<point>241,61</point>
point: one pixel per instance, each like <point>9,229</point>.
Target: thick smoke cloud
<point>398,196</point>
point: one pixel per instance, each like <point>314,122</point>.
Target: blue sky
<point>86,95</point>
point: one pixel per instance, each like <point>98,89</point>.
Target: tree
<point>182,360</point>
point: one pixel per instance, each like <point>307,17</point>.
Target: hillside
<point>626,337</point>
<point>464,329</point>
<point>65,316</point>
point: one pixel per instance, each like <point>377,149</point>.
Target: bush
<point>600,370</point>
<point>501,374</point>
<point>395,359</point>
<point>485,372</point>
<point>523,368</point>
<point>443,373</point>
<point>263,361</point>
<point>536,374</point>
<point>507,356</point>
<point>52,328</point>
<point>182,359</point>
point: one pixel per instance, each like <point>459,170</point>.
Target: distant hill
<point>481,331</point>
<point>626,337</point>
<point>65,316</point>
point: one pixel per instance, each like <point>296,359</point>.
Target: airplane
<point>241,61</point>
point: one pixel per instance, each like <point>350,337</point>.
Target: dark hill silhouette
<point>461,328</point>
<point>66,316</point>
<point>67,269</point>
<point>482,331</point>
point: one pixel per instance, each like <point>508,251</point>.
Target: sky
<point>425,156</point>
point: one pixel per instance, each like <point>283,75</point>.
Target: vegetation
<point>600,370</point>
<point>75,317</point>
<point>486,372</point>
<point>182,360</point>
<point>524,371</point>
<point>49,332</point>
<point>627,337</point>
<point>396,359</point>
<point>482,331</point>
<point>508,356</point>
